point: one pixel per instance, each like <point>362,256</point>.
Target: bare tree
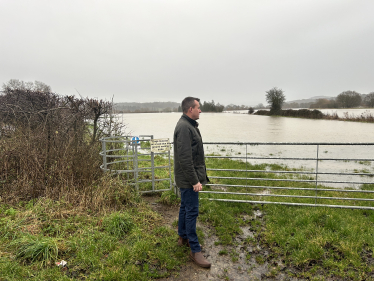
<point>48,146</point>
<point>37,86</point>
<point>97,109</point>
<point>275,98</point>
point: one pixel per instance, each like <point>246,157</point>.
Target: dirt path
<point>251,263</point>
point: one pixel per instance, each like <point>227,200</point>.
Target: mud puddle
<point>239,262</point>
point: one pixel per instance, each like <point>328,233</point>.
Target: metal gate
<point>131,158</point>
<point>338,175</point>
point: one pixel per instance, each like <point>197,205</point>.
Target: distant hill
<point>146,106</point>
<point>312,99</point>
<point>305,103</point>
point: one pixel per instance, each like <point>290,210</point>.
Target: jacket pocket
<point>195,153</point>
<point>200,172</point>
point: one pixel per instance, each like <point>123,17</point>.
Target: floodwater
<point>231,127</point>
<point>237,127</point>
<point>352,112</point>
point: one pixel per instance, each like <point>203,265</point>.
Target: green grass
<point>223,252</point>
<point>225,218</point>
<point>169,198</point>
<point>145,144</point>
<point>30,248</point>
<point>127,244</point>
<point>118,224</point>
<point>335,242</point>
<point>338,240</point>
<point>160,173</point>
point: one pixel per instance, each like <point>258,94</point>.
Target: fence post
<point>127,156</point>
<point>153,170</point>
<point>315,200</point>
<point>104,153</point>
<point>170,170</point>
<point>246,163</point>
<point>136,166</point>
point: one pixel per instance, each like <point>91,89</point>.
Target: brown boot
<point>199,259</point>
<point>183,242</point>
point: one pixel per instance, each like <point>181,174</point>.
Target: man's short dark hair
<point>188,102</point>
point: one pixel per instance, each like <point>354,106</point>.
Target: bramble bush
<point>49,143</point>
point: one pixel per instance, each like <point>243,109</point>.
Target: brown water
<point>231,127</point>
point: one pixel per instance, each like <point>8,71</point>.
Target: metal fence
<point>302,174</point>
<point>131,158</point>
<point>337,175</point>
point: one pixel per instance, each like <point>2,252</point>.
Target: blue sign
<point>135,140</point>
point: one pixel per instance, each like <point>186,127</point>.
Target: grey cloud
<point>229,51</point>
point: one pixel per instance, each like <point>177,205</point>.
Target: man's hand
<point>197,187</point>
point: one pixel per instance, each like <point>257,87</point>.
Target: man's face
<point>195,111</point>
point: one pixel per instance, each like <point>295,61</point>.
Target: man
<point>190,175</point>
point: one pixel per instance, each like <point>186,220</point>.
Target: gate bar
<point>291,204</point>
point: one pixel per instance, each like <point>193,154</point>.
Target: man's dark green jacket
<point>189,160</point>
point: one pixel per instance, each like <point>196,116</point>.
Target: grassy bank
<point>129,243</point>
<point>125,239</point>
<point>314,242</point>
<point>56,204</point>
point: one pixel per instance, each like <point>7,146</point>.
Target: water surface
<point>231,127</point>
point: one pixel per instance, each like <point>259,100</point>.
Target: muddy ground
<point>251,262</point>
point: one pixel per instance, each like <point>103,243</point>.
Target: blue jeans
<point>188,213</point>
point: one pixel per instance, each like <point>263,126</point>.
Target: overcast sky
<point>163,50</point>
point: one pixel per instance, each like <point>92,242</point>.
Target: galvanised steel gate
<point>338,175</point>
<point>131,158</point>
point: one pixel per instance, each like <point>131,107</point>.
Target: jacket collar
<point>193,122</point>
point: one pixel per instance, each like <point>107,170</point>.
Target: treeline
<point>236,107</point>
<point>136,107</point>
<point>300,104</point>
<point>211,106</point>
<point>303,113</point>
<point>275,97</point>
<point>207,106</point>
<point>347,99</point>
<point>154,107</point>
<point>316,114</point>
